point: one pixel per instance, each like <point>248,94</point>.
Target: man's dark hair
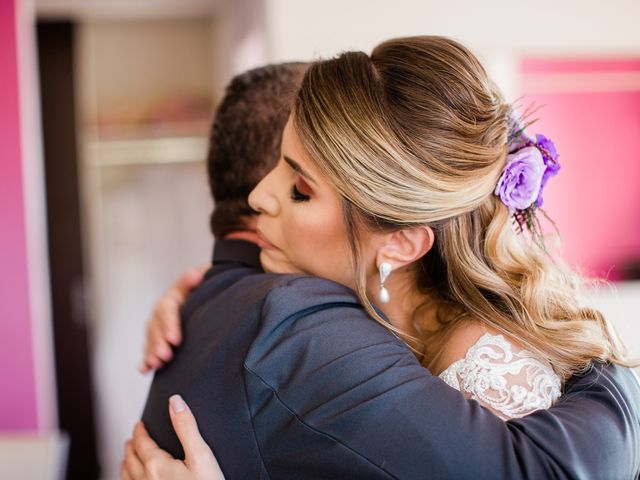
<point>245,138</point>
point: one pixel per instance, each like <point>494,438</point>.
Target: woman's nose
<point>262,199</point>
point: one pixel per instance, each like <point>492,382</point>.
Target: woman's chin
<point>276,265</point>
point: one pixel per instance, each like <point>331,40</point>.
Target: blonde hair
<point>416,134</point>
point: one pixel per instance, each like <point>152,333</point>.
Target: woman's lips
<point>263,242</point>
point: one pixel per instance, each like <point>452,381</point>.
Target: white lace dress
<point>511,383</point>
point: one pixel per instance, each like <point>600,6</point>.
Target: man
<point>288,377</point>
<point>244,145</point>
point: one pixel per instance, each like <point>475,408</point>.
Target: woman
<point>405,177</point>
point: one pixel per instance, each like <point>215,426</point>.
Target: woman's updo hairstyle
<point>416,134</point>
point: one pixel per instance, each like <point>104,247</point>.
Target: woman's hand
<point>163,328</point>
<point>144,460</point>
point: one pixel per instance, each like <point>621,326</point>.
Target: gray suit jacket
<point>289,378</point>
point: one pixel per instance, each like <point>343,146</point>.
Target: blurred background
<point>104,114</point>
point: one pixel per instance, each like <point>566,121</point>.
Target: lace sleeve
<point>510,383</point>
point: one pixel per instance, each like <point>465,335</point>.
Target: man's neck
<point>246,235</point>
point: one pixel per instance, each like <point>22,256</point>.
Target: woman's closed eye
<point>300,191</point>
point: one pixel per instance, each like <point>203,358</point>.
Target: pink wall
<point>591,109</point>
<point>18,409</point>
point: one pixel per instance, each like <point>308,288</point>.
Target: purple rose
<point>550,171</point>
<point>550,158</point>
<point>521,180</point>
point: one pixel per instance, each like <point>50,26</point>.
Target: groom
<point>288,377</point>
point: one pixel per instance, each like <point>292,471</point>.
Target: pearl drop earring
<point>384,269</point>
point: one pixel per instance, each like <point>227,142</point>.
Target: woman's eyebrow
<point>297,168</point>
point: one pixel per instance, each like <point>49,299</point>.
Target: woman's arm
<point>145,460</point>
<point>496,371</point>
<point>593,431</point>
<point>163,328</point>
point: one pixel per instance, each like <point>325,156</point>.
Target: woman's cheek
<point>302,239</point>
<point>326,250</point>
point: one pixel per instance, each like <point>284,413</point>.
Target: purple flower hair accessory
<point>531,162</point>
<point>550,157</point>
<point>519,184</point>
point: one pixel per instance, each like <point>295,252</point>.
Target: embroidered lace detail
<point>512,384</point>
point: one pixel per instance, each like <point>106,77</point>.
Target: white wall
<point>238,40</point>
<point>620,303</point>
<point>496,30</point>
<point>304,28</point>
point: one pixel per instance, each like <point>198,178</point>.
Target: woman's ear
<point>406,246</point>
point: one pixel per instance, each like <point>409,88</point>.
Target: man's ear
<point>406,246</point>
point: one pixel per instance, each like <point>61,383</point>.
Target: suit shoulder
<point>293,294</point>
<point>303,307</point>
<point>307,321</point>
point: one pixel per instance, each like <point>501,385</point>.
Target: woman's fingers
<point>164,328</point>
<point>161,347</point>
<point>184,423</point>
<point>165,324</point>
<point>157,464</point>
<point>124,475</point>
<point>132,467</point>
<point>150,362</point>
<point>191,278</point>
<point>145,460</point>
<point>175,297</point>
<point>155,356</point>
<point>157,350</point>
<point>197,453</point>
<point>144,446</point>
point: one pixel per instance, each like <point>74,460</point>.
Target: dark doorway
<point>70,326</point>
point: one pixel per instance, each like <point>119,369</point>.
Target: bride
<point>405,176</point>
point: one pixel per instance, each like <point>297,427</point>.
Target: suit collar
<point>236,251</point>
